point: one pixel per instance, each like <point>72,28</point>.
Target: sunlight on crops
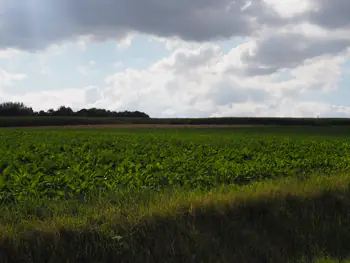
<point>66,163</point>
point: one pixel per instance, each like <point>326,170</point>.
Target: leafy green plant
<point>64,163</point>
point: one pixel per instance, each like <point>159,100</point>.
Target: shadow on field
<point>280,229</point>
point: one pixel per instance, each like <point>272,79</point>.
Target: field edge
<point>277,218</point>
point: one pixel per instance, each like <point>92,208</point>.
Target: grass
<point>284,220</point>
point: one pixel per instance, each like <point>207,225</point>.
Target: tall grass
<point>284,220</point>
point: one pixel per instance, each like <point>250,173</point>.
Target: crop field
<point>66,163</point>
<point>62,181</point>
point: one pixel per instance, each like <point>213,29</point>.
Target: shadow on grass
<point>279,229</point>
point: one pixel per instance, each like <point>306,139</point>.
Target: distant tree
<point>64,111</point>
<point>42,113</point>
<point>50,112</point>
<point>81,113</point>
<point>19,109</point>
<point>15,109</point>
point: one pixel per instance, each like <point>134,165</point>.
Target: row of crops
<point>64,163</point>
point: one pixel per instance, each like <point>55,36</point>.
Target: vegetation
<point>58,163</point>
<point>268,194</point>
<point>271,221</point>
<point>13,114</point>
<point>23,121</point>
<point>18,109</point>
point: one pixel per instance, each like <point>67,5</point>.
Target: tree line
<point>13,109</point>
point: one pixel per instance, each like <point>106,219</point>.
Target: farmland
<point>56,163</point>
<point>95,185</point>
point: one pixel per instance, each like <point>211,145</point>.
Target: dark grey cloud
<point>288,50</point>
<point>34,24</point>
<point>330,14</point>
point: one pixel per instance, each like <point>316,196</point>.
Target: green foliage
<point>15,109</point>
<point>63,164</point>
<point>284,220</point>
<point>18,109</point>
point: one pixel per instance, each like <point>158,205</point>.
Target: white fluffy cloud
<point>284,109</point>
<point>291,48</point>
<point>7,80</point>
<point>44,100</point>
<point>204,81</point>
<point>200,81</point>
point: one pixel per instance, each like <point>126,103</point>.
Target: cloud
<point>201,82</point>
<point>92,95</point>
<point>291,8</point>
<point>291,48</point>
<point>231,91</point>
<point>75,98</point>
<point>281,34</point>
<point>315,28</point>
<point>8,79</point>
<point>330,14</point>
<point>285,109</point>
<point>9,53</point>
<point>125,42</point>
<point>196,82</point>
<point>88,69</point>
<point>36,24</point>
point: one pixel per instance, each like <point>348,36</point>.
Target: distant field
<point>135,126</point>
<point>115,194</point>
<point>66,120</point>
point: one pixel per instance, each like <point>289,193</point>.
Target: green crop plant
<point>63,164</point>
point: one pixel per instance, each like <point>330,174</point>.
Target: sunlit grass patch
<point>284,220</point>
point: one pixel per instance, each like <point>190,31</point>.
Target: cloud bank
<point>289,49</point>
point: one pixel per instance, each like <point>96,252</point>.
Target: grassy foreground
<point>284,220</point>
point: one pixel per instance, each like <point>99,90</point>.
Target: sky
<point>178,58</point>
